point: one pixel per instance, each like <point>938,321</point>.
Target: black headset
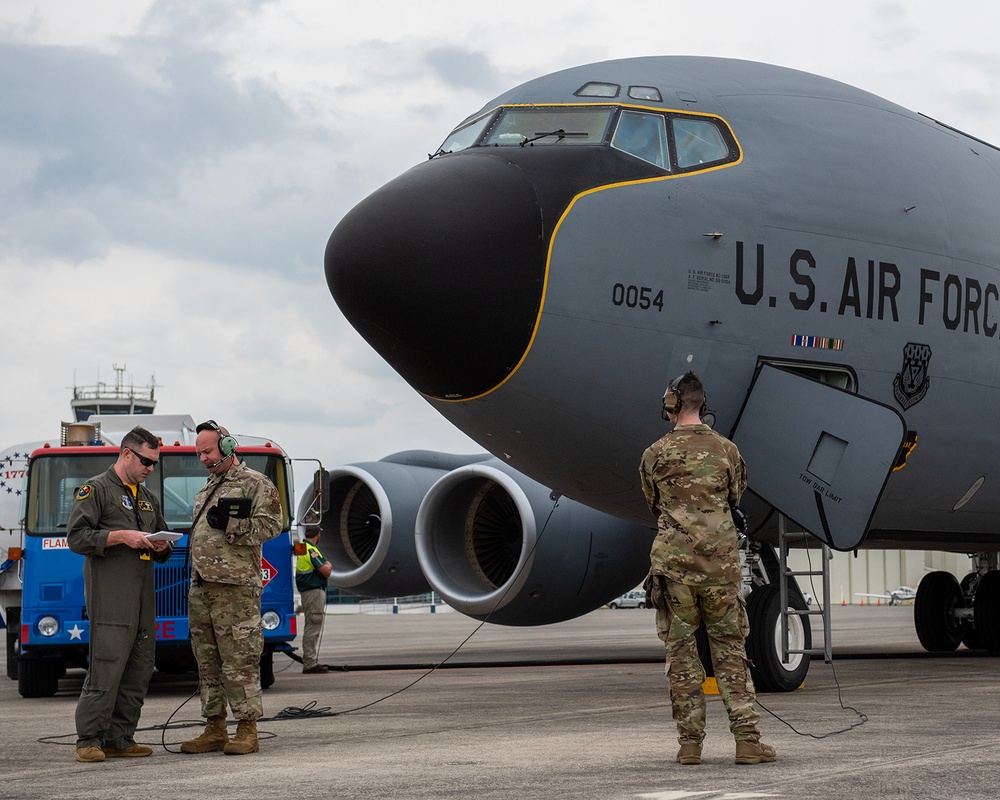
<point>672,400</point>
<point>227,444</point>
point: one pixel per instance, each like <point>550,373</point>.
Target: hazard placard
<point>267,572</point>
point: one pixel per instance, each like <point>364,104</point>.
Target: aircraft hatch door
<point>818,454</point>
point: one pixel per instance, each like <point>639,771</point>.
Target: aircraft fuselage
<point>539,283</point>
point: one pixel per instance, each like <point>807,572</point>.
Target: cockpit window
<point>643,136</point>
<point>698,142</point>
<point>550,126</point>
<point>645,93</point>
<point>670,140</point>
<point>598,89</point>
<point>464,137</point>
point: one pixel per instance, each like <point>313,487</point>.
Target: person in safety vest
<point>311,573</point>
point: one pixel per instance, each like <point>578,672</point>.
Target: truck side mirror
<point>321,490</point>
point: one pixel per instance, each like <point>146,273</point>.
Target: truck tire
<point>37,677</point>
<point>266,668</point>
<point>13,641</point>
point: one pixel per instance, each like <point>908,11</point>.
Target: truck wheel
<point>266,668</point>
<point>37,677</point>
<point>13,641</point>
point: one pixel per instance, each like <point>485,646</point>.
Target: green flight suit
<point>121,606</point>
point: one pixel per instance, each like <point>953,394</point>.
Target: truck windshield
<point>53,481</point>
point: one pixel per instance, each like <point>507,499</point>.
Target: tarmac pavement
<point>574,710</point>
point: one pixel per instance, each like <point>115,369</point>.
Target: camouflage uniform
<point>690,479</point>
<point>224,599</point>
<point>121,607</point>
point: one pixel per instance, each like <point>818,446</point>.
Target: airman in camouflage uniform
<point>108,523</point>
<point>224,599</point>
<point>691,478</point>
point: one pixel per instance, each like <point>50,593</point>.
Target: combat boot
<point>213,738</point>
<point>245,740</point>
<point>749,751</point>
<point>690,753</point>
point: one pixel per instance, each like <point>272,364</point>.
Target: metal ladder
<point>824,605</point>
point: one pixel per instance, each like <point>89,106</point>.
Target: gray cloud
<point>463,69</point>
<point>124,147</point>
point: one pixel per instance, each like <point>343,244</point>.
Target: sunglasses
<point>146,462</point>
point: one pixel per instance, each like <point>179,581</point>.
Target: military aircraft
<point>826,260</point>
<point>900,594</point>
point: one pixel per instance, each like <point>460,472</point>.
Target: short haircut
<point>137,437</point>
<point>312,530</point>
<point>690,390</point>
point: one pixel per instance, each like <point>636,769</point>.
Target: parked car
<point>634,599</point>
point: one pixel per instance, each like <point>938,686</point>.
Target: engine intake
<point>499,546</point>
<point>368,526</point>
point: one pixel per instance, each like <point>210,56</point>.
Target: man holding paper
<point>112,515</point>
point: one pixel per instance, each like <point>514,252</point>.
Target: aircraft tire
<point>764,642</point>
<point>938,596</point>
<point>987,612</point>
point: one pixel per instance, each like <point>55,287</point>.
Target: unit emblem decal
<point>911,382</point>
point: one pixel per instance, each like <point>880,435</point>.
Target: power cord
<point>862,717</point>
<point>446,659</point>
<point>311,710</point>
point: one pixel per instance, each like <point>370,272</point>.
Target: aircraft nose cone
<point>441,271</point>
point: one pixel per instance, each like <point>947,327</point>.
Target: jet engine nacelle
<point>498,546</point>
<point>368,525</point>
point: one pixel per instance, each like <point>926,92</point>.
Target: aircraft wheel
<point>37,677</point>
<point>987,611</point>
<point>970,636</point>
<point>938,596</point>
<point>769,673</point>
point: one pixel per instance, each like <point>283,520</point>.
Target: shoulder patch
<point>84,491</point>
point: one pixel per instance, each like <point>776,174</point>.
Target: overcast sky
<point>170,172</point>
